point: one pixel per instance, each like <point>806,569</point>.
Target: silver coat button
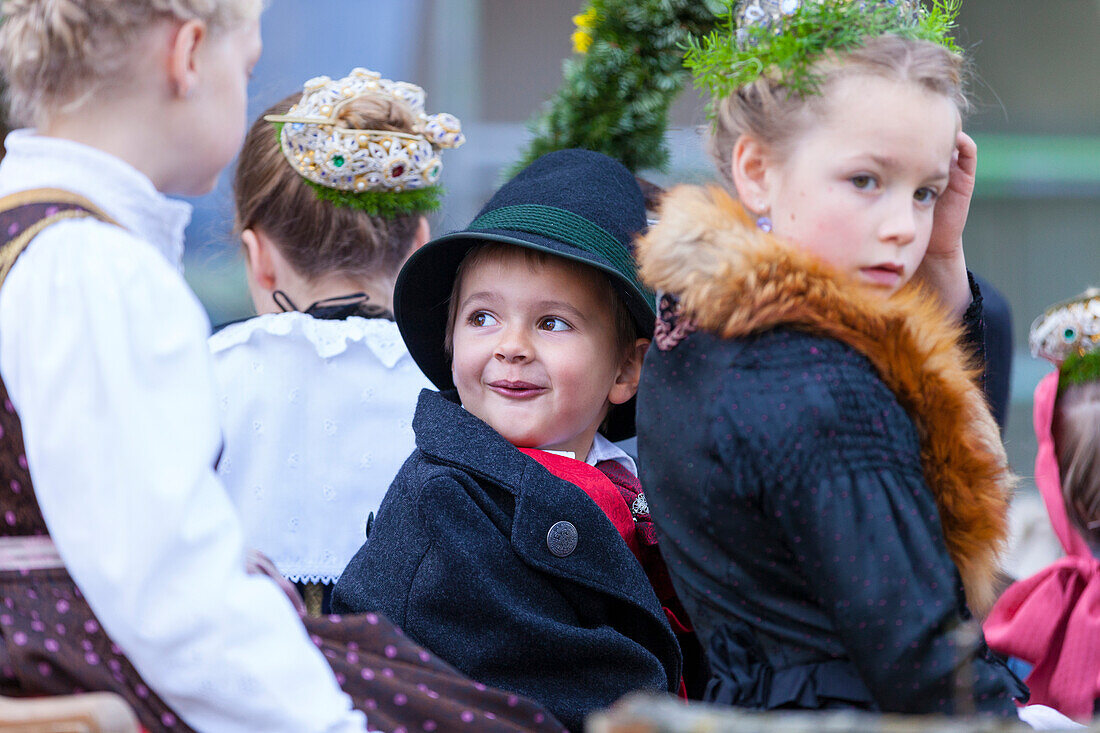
<point>562,539</point>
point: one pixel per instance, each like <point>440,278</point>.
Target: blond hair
<point>1076,430</point>
<point>769,112</point>
<point>59,53</point>
<point>318,237</point>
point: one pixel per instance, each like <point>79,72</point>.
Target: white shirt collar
<point>122,191</point>
<point>604,450</point>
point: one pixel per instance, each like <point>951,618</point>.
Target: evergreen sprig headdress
<point>1068,334</point>
<point>381,172</point>
<point>781,39</point>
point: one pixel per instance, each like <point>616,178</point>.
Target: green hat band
<point>566,227</point>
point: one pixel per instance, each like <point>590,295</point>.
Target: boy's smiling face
<point>536,354</point>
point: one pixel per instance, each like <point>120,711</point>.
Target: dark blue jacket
<point>458,558</point>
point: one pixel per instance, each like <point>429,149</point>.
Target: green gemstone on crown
<point>338,161</point>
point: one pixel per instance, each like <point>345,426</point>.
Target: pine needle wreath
<point>729,58</point>
<point>617,91</point>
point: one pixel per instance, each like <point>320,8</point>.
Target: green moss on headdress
<point>729,57</point>
<point>1079,369</point>
<point>386,204</point>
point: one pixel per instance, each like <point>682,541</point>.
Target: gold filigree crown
<point>1068,329</point>
<point>329,154</point>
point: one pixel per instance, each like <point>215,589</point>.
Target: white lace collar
<point>328,337</point>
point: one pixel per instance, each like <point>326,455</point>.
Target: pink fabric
<point>1046,469</point>
<point>1052,619</point>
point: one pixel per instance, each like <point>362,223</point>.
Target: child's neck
<point>303,292</point>
<point>578,449</point>
<point>116,133</point>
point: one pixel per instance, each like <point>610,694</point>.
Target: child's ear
<point>258,257</point>
<point>630,373</point>
<point>749,165</point>
<point>182,57</point>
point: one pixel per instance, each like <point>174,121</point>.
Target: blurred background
<point>1034,223</point>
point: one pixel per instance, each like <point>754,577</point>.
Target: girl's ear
<point>182,57</point>
<point>630,373</point>
<point>749,166</point>
<point>258,259</point>
<point>263,266</point>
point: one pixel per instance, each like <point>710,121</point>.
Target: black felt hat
<point>576,204</point>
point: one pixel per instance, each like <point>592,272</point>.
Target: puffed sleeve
<point>850,502</point>
<point>104,355</point>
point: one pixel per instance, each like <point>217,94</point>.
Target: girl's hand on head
<point>953,205</point>
<point>944,265</point>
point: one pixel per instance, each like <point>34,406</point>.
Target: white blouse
<point>317,418</point>
<point>103,351</point>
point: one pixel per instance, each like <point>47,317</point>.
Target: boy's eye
<point>481,319</point>
<point>552,323</point>
<point>864,182</point>
<point>925,195</point>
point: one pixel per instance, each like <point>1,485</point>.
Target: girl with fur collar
<point>835,499</point>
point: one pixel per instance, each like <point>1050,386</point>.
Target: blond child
<point>513,541</point>
<point>829,484</point>
<point>316,393</point>
<point>142,589</point>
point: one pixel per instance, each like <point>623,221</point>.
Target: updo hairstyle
<point>318,237</point>
<point>59,53</point>
<point>773,115</point>
<point>1076,432</point>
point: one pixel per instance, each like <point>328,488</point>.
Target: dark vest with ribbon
<point>22,217</point>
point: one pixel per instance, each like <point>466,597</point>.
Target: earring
<point>764,223</point>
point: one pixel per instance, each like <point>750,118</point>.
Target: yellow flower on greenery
<point>587,19</point>
<point>582,37</point>
<point>581,41</point>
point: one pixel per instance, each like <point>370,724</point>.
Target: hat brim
<point>422,303</point>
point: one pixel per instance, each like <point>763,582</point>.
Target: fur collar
<point>734,280</point>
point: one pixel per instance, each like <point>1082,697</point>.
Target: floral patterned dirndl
<point>52,644</point>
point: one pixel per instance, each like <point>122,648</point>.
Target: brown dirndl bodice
<point>51,642</point>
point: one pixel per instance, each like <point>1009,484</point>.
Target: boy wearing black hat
<point>493,546</point>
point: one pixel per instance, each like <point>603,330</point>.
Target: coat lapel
<point>601,559</point>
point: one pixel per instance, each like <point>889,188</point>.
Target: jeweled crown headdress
<point>1068,334</point>
<point>781,39</point>
<point>382,172</point>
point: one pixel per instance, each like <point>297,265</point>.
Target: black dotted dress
<point>787,484</point>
